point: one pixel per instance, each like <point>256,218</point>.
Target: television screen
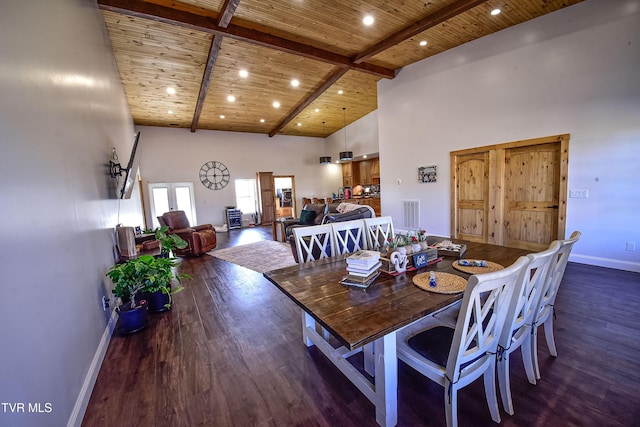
<point>132,170</point>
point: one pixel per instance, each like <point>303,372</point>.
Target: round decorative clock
<point>214,175</point>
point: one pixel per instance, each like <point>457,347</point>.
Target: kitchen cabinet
<point>347,174</point>
<point>361,172</point>
<point>374,202</point>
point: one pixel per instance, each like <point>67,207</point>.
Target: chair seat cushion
<point>433,344</point>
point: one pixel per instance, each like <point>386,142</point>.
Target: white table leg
<point>386,380</point>
<point>307,322</point>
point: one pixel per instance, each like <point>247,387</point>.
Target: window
<point>246,197</point>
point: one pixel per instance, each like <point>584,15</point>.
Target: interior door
<point>531,196</point>
<point>267,193</point>
<point>471,196</point>
<point>511,194</point>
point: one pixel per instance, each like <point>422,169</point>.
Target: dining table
<point>367,319</point>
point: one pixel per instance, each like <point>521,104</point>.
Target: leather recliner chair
<point>199,238</point>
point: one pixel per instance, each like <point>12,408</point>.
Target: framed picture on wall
<point>427,174</point>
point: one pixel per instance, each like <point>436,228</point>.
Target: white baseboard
<point>605,262</point>
<point>75,420</point>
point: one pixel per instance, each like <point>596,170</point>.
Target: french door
<point>172,196</point>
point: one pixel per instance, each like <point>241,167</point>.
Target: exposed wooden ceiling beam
<point>228,9</point>
<point>195,21</point>
<point>334,77</point>
<point>425,23</point>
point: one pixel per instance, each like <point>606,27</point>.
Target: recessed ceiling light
<point>276,104</point>
<point>368,20</point>
<point>171,91</point>
<point>364,157</point>
<point>340,92</point>
<point>261,120</point>
<point>317,110</point>
<point>170,111</point>
<point>295,83</point>
<point>222,116</point>
<point>244,74</point>
<point>299,124</point>
<point>423,43</point>
<point>495,12</point>
<point>231,98</point>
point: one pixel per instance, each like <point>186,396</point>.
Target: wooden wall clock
<point>214,175</point>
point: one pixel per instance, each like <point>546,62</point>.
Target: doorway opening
<point>285,196</point>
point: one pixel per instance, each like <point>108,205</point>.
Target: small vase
<point>416,248</point>
<point>424,245</point>
<point>402,250</point>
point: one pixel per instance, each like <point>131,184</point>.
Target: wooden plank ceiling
<point>198,47</point>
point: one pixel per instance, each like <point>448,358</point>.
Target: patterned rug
<point>260,256</point>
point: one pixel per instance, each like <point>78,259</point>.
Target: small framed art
<point>427,174</point>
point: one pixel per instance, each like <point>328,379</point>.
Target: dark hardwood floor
<point>230,353</point>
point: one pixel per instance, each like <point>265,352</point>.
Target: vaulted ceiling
<point>199,47</point>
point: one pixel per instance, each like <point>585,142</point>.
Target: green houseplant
<point>169,242</point>
<point>138,279</point>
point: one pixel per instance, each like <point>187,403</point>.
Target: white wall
<point>574,71</point>
<point>172,155</point>
<point>62,108</point>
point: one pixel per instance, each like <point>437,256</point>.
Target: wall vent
<point>411,214</point>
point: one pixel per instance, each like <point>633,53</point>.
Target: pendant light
<point>345,155</point>
<point>324,160</point>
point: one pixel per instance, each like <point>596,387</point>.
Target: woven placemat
<point>491,266</point>
<point>447,283</point>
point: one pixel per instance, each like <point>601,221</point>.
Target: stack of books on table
<point>362,268</point>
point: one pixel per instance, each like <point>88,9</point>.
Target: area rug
<point>260,256</point>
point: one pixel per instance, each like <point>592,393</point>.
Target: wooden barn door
<point>523,204</point>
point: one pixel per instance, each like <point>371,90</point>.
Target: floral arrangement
<point>421,235</point>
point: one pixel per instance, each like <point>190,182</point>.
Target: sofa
<point>325,214</point>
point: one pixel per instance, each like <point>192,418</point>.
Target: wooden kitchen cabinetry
<point>347,174</point>
<point>374,202</point>
<point>361,172</point>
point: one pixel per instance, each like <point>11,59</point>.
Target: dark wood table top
<point>358,316</point>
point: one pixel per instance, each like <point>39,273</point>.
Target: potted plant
<point>136,278</point>
<point>159,288</point>
<point>169,242</point>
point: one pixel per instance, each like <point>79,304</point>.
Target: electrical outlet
<point>105,303</point>
<point>579,194</point>
<point>631,246</point>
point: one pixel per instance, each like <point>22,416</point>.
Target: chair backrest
<point>482,316</point>
<point>556,272</point>
<point>526,298</point>
<point>379,230</point>
<point>348,236</point>
<point>314,242</point>
<point>176,220</point>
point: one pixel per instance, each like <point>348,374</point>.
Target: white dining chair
<point>456,357</point>
<point>545,312</point>
<point>378,231</point>
<point>314,242</point>
<point>517,330</point>
<point>348,236</point>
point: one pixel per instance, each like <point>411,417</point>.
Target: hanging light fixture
<point>324,160</point>
<point>345,155</point>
